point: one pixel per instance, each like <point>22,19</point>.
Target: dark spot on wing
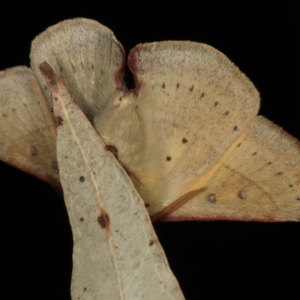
<point>59,120</point>
<point>191,88</point>
<point>212,198</point>
<point>151,242</point>
<point>177,86</point>
<point>81,219</point>
<point>235,128</point>
<point>279,173</point>
<point>81,179</point>
<point>163,85</point>
<point>242,194</point>
<point>202,95</point>
<point>168,158</point>
<point>254,153</point>
<point>216,103</point>
<point>226,113</point>
<point>184,140</point>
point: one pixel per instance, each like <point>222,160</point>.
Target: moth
<point>188,130</point>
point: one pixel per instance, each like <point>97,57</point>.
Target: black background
<point>210,259</point>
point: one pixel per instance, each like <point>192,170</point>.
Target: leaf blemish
<point>112,149</point>
<point>168,158</point>
<point>103,220</point>
<point>151,242</point>
<point>81,219</point>
<point>81,179</point>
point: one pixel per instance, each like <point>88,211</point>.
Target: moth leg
<point>176,204</point>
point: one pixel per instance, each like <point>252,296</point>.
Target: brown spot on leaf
<point>113,149</point>
<point>81,219</point>
<point>147,204</point>
<point>290,185</point>
<point>191,88</point>
<point>235,128</point>
<point>151,242</point>
<point>163,85</point>
<point>242,194</point>
<point>279,173</point>
<point>59,120</point>
<point>212,198</point>
<point>226,113</point>
<point>254,153</point>
<point>269,163</point>
<point>184,140</point>
<point>202,95</point>
<point>239,144</point>
<point>51,109</point>
<point>48,72</point>
<point>33,151</point>
<point>103,220</point>
<point>81,179</point>
<point>298,198</point>
<point>85,289</point>
<point>177,86</point>
<point>216,103</point>
<point>168,158</point>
